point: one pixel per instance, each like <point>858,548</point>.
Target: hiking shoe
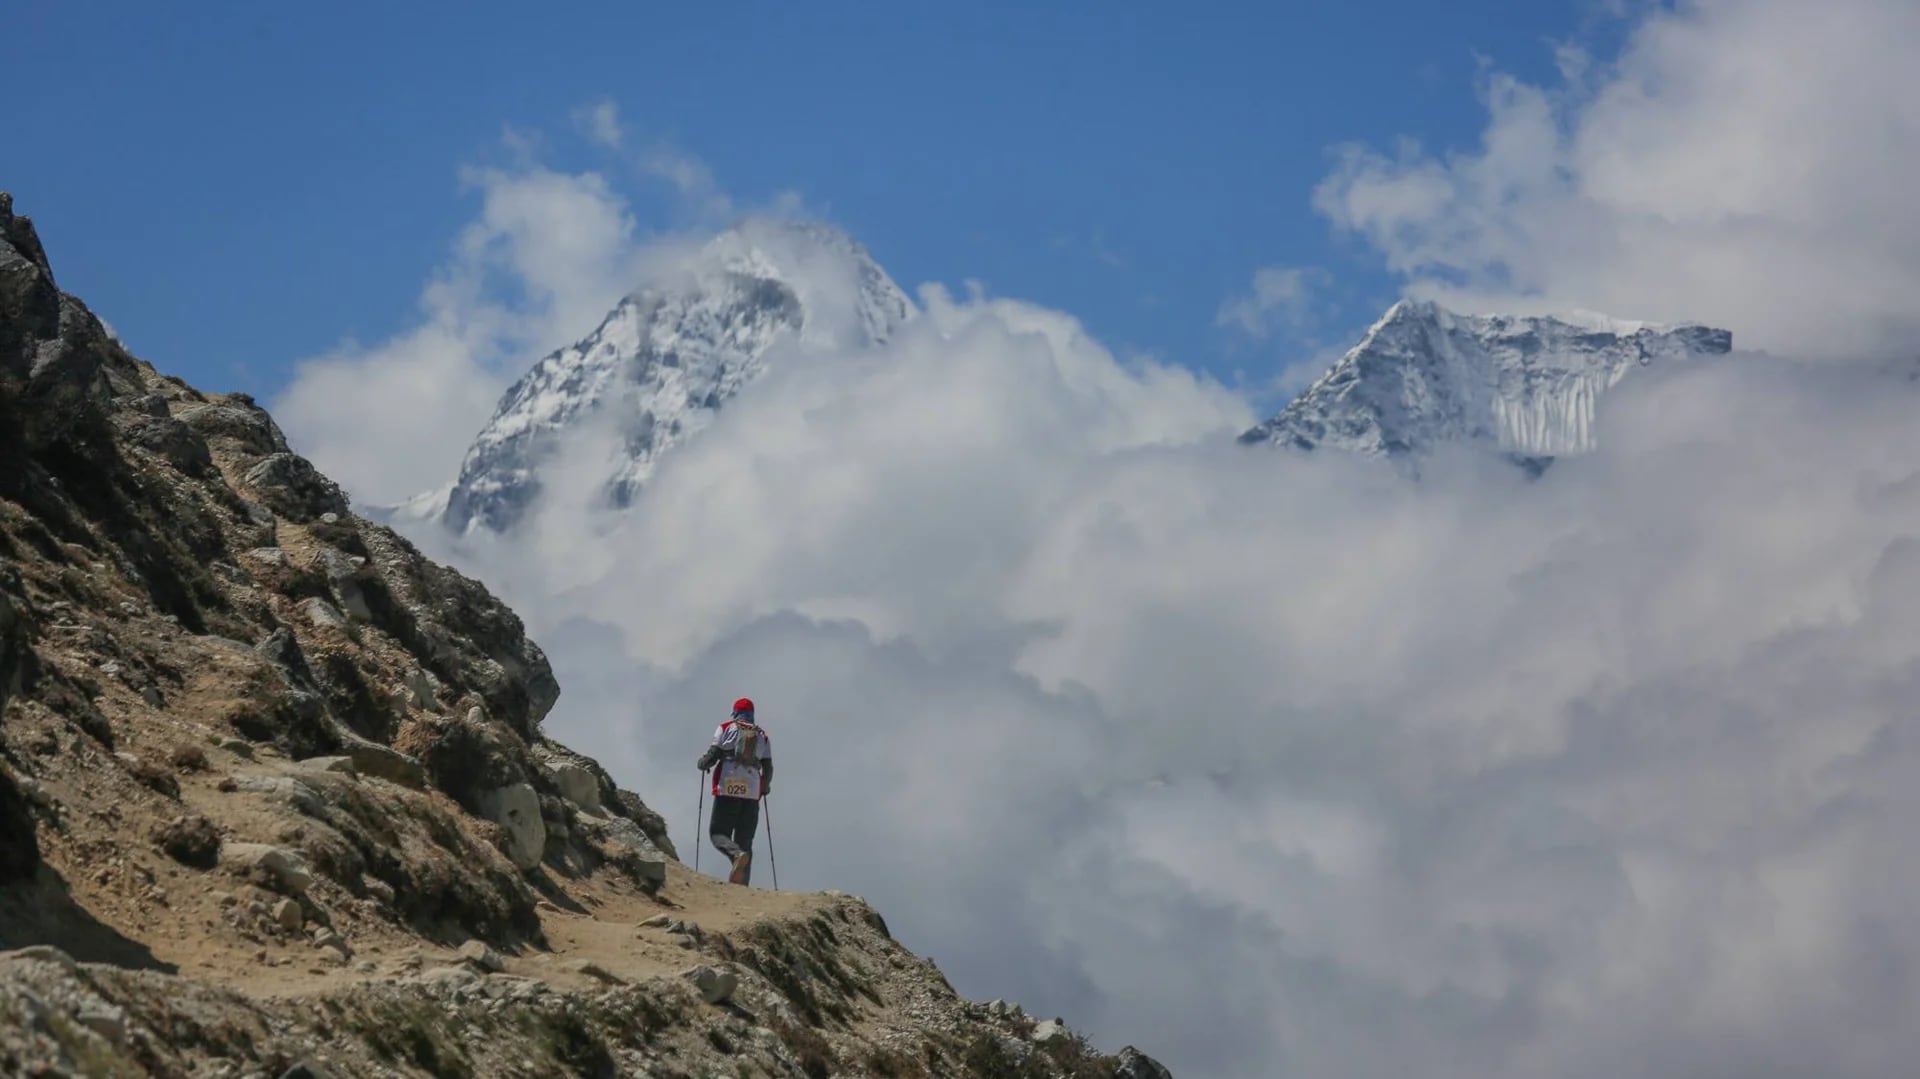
<point>742,869</point>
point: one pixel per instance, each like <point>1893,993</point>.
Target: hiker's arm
<point>766,776</point>
<point>710,758</point>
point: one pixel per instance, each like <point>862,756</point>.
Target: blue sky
<point>252,184</point>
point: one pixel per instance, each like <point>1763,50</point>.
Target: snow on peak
<point>1528,385</point>
<point>668,357</point>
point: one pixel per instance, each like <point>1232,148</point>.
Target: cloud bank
<point>1299,766</point>
<point>1746,163</point>
<point>1281,765</point>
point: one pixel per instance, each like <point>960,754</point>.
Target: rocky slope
<point>665,360</point>
<point>274,797</point>
<point>1423,376</point>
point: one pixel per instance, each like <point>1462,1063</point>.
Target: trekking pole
<point>700,810</point>
<point>772,858</point>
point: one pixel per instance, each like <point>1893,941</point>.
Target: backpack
<point>744,746</point>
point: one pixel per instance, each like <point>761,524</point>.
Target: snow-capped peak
<point>1529,385</point>
<point>668,357</point>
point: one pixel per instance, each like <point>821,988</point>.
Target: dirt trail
<point>605,929</point>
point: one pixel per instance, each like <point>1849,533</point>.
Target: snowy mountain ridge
<point>1531,386</point>
<point>666,359</point>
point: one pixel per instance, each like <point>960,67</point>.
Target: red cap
<point>743,707</point>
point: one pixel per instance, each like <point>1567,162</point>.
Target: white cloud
<point>690,177</point>
<point>1280,297</point>
<point>1280,764</point>
<point>548,254</point>
<point>1746,163</point>
<point>600,122</point>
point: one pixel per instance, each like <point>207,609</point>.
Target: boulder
<point>516,808</point>
<point>385,762</point>
<point>283,648</point>
<point>649,862</point>
<point>577,784</point>
<point>1137,1065</point>
<point>107,1020</point>
<point>421,686</point>
<point>291,487</point>
<point>282,869</point>
<point>172,441</point>
<point>715,986</point>
<point>344,574</point>
<point>594,970</point>
<point>289,915</point>
<point>329,941</point>
<point>1051,1030</point>
<point>246,428</point>
<point>477,953</point>
<point>322,614</point>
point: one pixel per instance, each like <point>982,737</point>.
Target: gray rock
<point>286,870</point>
<point>290,486</point>
<point>172,441</point>
<point>322,614</point>
<point>345,573</point>
<point>594,970</point>
<point>385,762</point>
<point>421,686</point>
<point>448,979</point>
<point>106,1020</point>
<point>1052,1030</point>
<point>237,746</point>
<point>268,556</point>
<point>1137,1065</point>
<point>147,404</point>
<point>283,648</point>
<point>378,889</point>
<point>328,940</point>
<point>41,953</point>
<point>335,765</point>
<point>282,788</point>
<point>577,784</point>
<point>517,809</point>
<point>249,429</point>
<point>715,986</point>
<point>289,915</point>
<point>477,953</point>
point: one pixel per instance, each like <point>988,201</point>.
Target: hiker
<point>741,760</point>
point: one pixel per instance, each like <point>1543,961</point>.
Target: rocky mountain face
<point>666,359</point>
<point>1424,376</point>
<point>275,799</point>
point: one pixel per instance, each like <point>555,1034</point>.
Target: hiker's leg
<point>725,825</point>
<point>747,825</point>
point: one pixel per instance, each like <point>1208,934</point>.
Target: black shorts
<point>734,822</point>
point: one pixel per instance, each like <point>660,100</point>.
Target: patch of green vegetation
<point>570,1039</point>
<point>809,1049</point>
<point>413,1032</point>
<point>986,1056</point>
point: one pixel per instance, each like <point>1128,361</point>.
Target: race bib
<point>737,787</point>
